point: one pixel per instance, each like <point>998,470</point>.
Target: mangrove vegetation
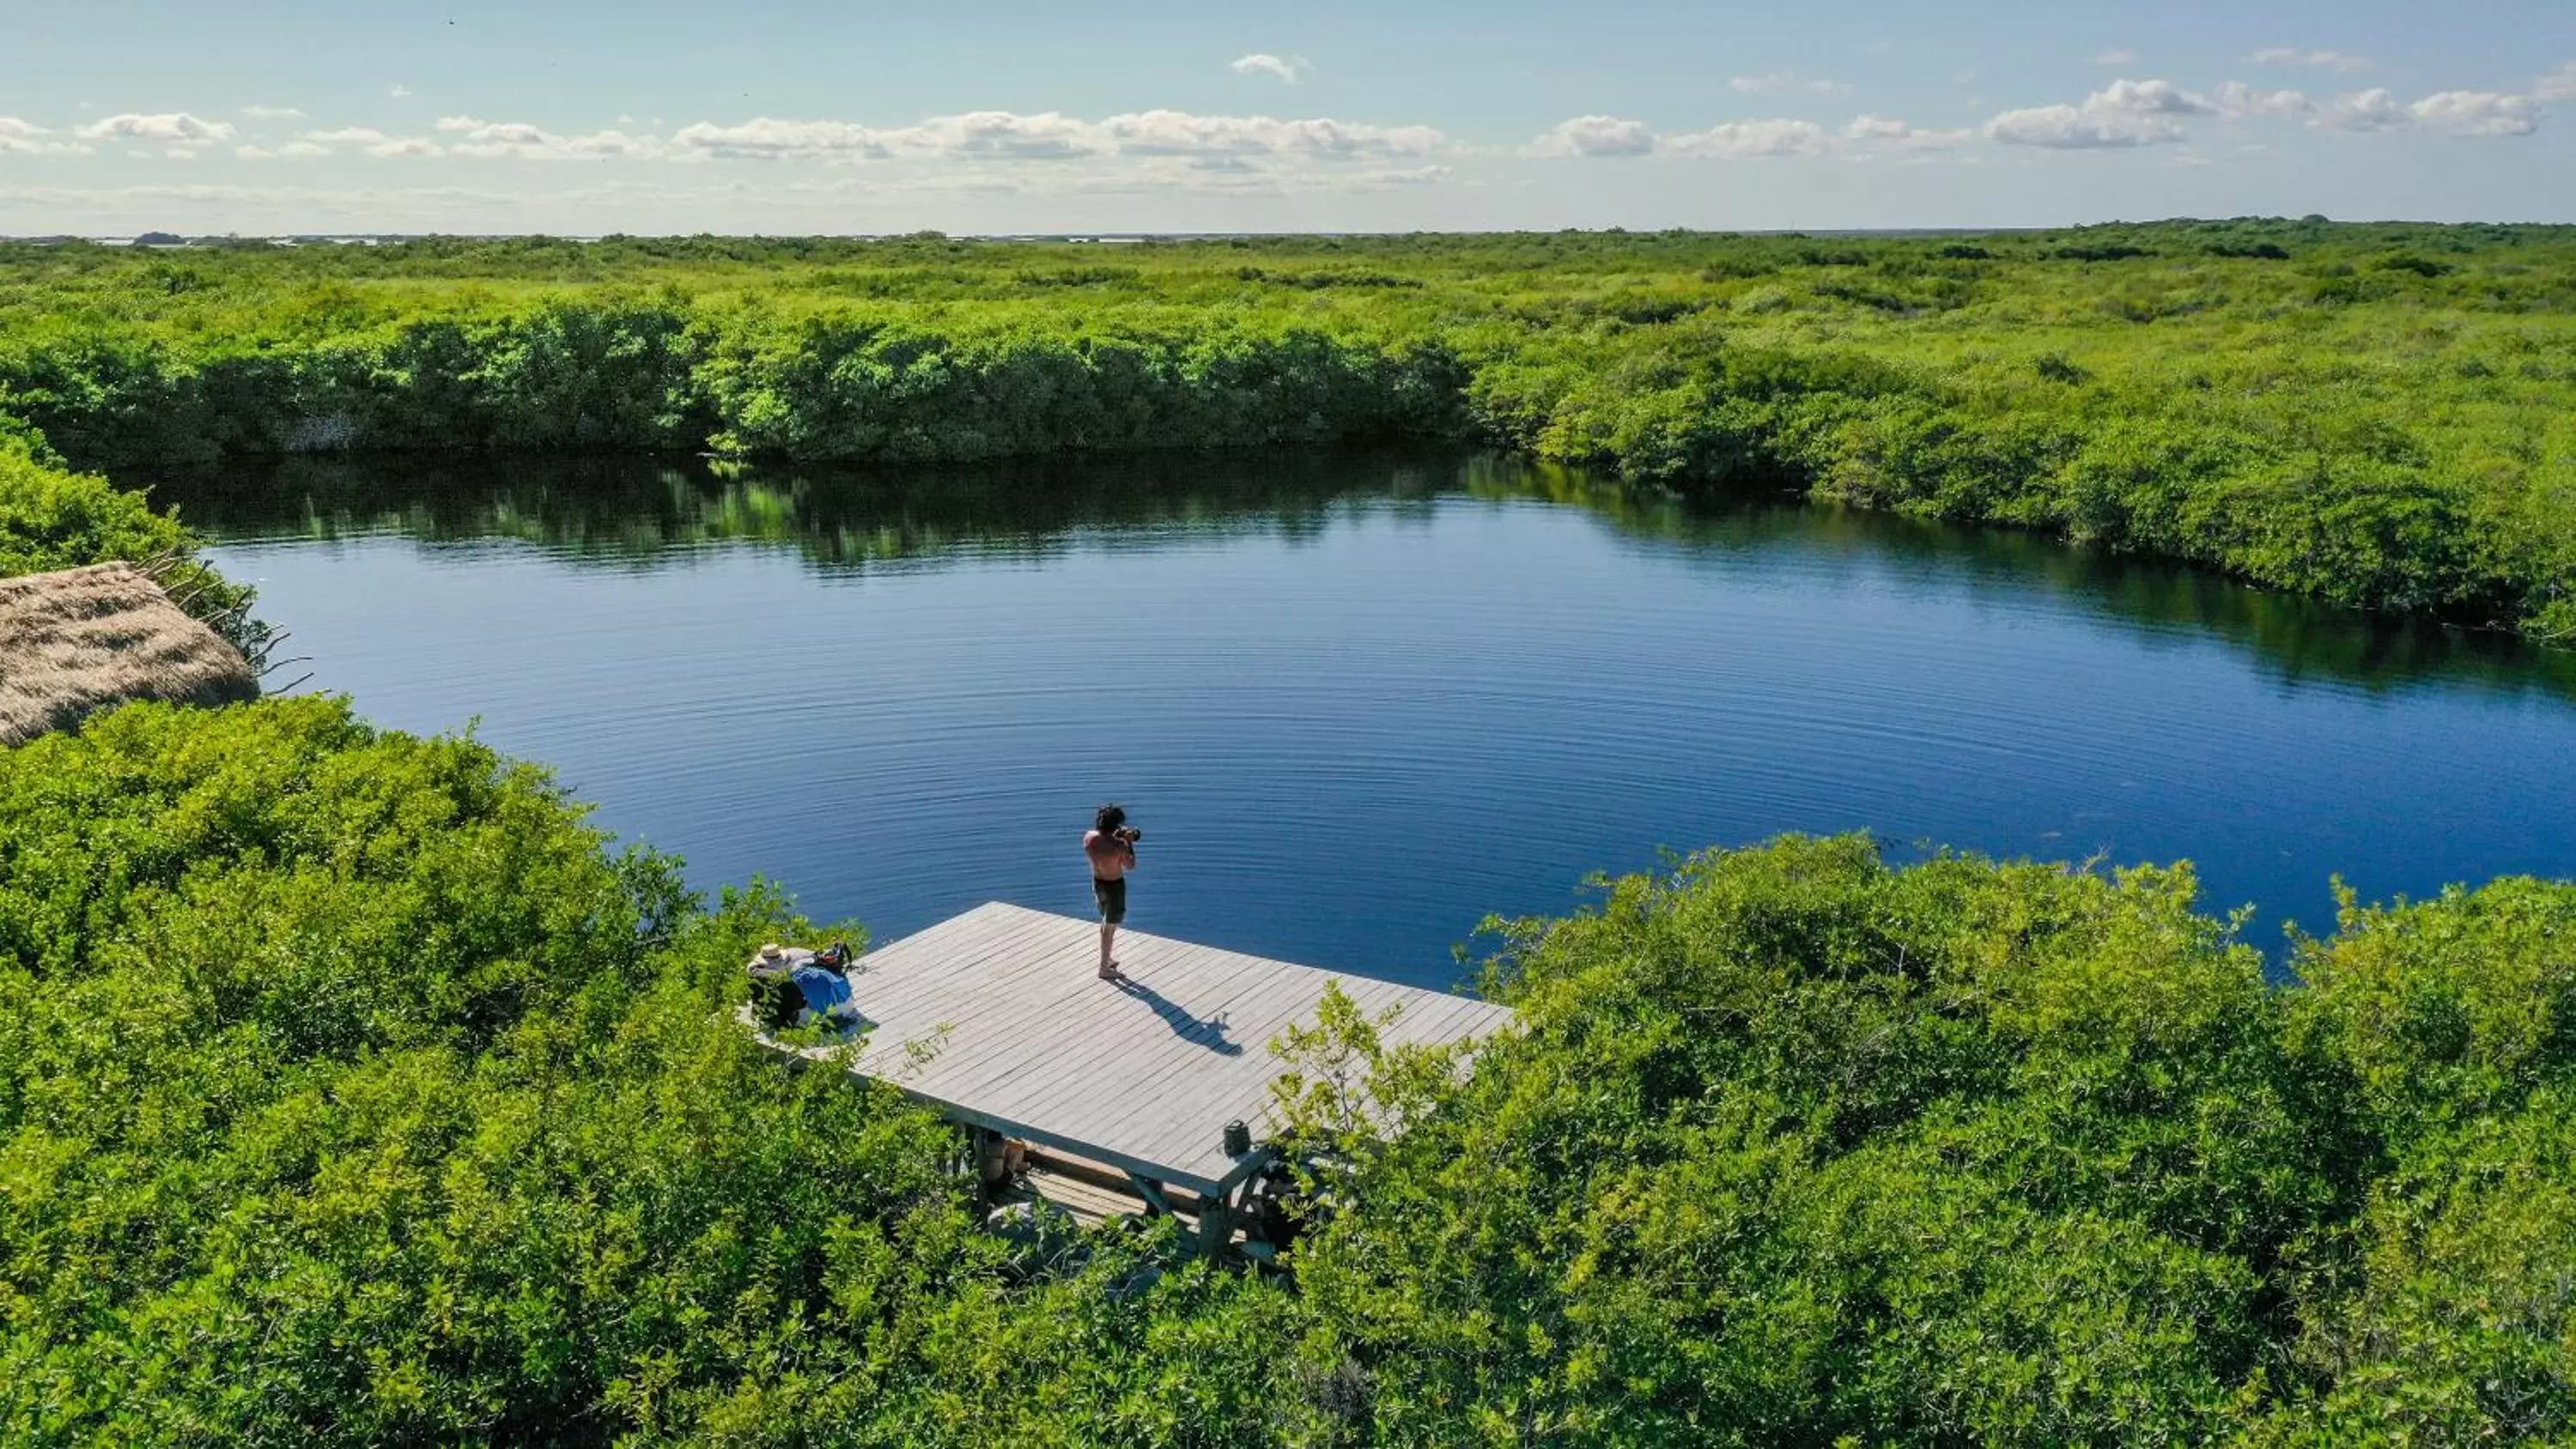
<point>354,1089</point>
<point>2371,415</point>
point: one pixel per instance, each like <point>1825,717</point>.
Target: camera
<point>1128,833</point>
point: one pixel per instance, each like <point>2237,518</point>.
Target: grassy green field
<point>2373,415</point>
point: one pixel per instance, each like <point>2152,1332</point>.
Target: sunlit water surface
<point>1358,703</point>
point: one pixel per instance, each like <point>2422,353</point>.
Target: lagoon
<point>1358,701</point>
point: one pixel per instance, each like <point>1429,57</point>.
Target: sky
<point>1004,116</point>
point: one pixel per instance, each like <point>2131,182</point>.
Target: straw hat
<point>772,951</point>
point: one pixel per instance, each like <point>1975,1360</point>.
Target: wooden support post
<point>1219,1210</point>
<point>1216,1225</point>
<point>1152,1192</point>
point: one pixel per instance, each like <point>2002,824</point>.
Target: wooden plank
<point>1287,997</point>
<point>1029,1050</point>
<point>1160,1042</point>
<point>929,990</point>
<point>1437,1020</point>
<point>1104,1091</point>
<point>1132,1072</point>
<point>937,970</point>
<point>1196,1181</point>
<point>903,989</point>
<point>1252,1088</point>
<point>1089,1203</point>
<point>1273,1000</point>
<point>1109,1015</point>
<point>1135,1079</point>
<point>994,1037</point>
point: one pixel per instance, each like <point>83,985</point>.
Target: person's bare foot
<point>1111,972</point>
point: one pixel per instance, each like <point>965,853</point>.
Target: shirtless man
<point>1111,846</point>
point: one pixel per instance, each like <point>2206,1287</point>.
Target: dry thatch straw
<point>89,638</point>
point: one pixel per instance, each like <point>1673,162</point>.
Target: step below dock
<point>998,1019</point>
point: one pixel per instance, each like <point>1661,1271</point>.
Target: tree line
<point>2376,416</point>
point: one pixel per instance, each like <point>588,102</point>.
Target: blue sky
<point>791,115</point>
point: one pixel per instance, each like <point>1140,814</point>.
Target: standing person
<point>1111,846</point>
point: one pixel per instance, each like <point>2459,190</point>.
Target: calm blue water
<point>1359,703</point>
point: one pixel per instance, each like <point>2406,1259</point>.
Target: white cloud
<point>398,92</point>
<point>2236,100</point>
<point>272,113</point>
<point>1000,135</point>
<point>2072,128</point>
<point>2116,55</point>
<point>1735,140</point>
<point>1003,135</point>
<point>1289,68</point>
<point>2123,114</point>
<point>1786,81</point>
<point>374,142</point>
<point>1740,140</point>
<point>1885,132</point>
<point>2371,110</point>
<point>1594,136</point>
<point>1177,133</point>
<point>766,139</point>
<point>2558,85</point>
<point>1224,176</point>
<point>2478,113</point>
<point>517,140</point>
<point>291,151</point>
<point>25,138</point>
<point>2456,113</point>
<point>176,127</point>
<point>2338,61</point>
<point>368,205</point>
<point>2149,98</point>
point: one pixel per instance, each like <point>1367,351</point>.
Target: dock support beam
<point>1152,1192</point>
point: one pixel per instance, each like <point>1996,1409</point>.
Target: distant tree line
<point>2370,415</point>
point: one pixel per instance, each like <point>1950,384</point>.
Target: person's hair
<point>1109,819</point>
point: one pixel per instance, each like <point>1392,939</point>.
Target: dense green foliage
<point>2375,415</point>
<point>54,519</point>
<point>350,1089</point>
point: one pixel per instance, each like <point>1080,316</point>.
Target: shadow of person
<point>1208,1032</point>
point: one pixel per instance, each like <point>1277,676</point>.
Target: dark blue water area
<point>1359,703</point>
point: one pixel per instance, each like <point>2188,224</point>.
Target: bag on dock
<point>824,994</point>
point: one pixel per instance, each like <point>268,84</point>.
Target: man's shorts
<point>1112,896</point>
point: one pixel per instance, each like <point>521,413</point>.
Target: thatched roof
<point>85,639</point>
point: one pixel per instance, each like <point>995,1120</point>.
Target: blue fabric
<point>824,992</point>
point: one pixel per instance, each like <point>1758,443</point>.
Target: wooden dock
<point>998,1018</point>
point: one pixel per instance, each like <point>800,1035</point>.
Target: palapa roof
<point>90,638</point>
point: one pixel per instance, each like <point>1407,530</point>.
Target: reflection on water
<point>633,512</point>
<point>1362,700</point>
